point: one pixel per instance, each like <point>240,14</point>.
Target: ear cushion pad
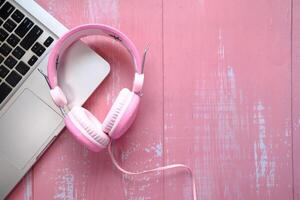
<point>122,114</point>
<point>86,128</point>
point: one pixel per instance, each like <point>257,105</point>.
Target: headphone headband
<point>80,122</point>
<point>93,29</point>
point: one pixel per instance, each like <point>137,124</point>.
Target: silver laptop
<point>29,121</point>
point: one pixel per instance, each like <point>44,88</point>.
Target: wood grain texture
<point>231,111</point>
<point>69,171</point>
<point>217,97</point>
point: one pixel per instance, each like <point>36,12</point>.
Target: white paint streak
<point>271,175</point>
<point>159,150</point>
<point>126,153</point>
<point>137,187</point>
<point>261,159</point>
<point>169,126</point>
<point>65,186</point>
<point>221,49</point>
<point>130,186</point>
<point>265,166</point>
<point>217,124</point>
<point>230,73</point>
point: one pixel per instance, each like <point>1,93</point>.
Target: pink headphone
<point>79,121</point>
<point>83,124</point>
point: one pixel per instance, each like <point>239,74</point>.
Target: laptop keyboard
<point>18,36</point>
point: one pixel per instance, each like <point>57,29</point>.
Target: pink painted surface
<point>296,96</point>
<point>217,97</point>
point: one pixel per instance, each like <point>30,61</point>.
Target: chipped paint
<point>265,166</point>
<point>65,186</point>
<point>126,153</point>
<point>216,105</point>
<point>156,148</point>
<point>260,149</point>
<point>134,187</point>
<point>230,73</point>
<point>159,150</point>
<point>221,48</point>
<point>271,175</point>
<point>219,116</point>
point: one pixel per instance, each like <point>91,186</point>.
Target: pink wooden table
<point>220,95</point>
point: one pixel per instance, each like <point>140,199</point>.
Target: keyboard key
<point>48,41</point>
<point>3,71</point>
<point>17,16</point>
<point>31,37</point>
<point>9,25</point>
<point>1,2</point>
<point>1,22</point>
<point>5,49</point>
<point>13,78</point>
<point>13,40</point>
<point>10,62</point>
<point>24,27</point>
<point>18,52</point>
<point>22,68</point>
<point>6,10</point>
<point>38,49</point>
<point>3,34</point>
<point>32,60</point>
<point>1,59</point>
<point>4,91</point>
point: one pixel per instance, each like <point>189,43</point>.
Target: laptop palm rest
<point>34,116</point>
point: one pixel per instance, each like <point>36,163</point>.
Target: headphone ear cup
<point>86,129</point>
<point>122,114</point>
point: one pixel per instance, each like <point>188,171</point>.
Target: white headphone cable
<point>115,162</point>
